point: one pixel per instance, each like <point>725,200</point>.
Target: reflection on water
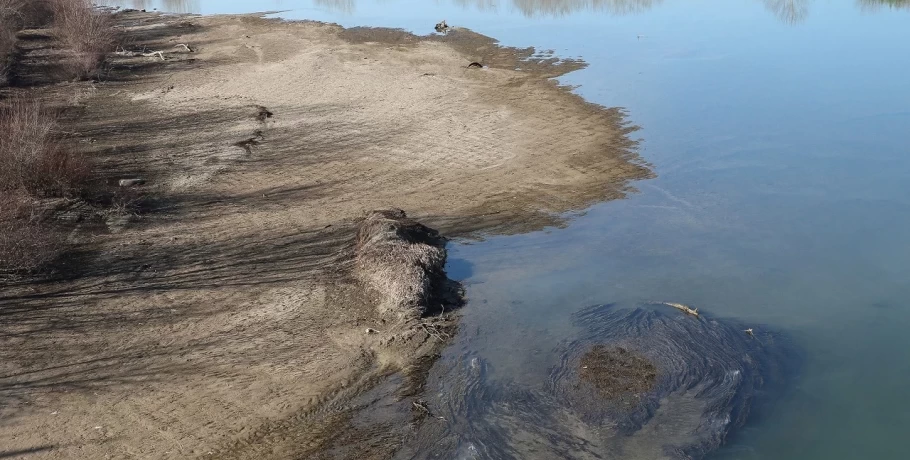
<point>877,4</point>
<point>171,6</point>
<point>341,6</point>
<point>788,11</point>
<point>564,7</point>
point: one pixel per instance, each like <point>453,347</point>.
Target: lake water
<point>780,134</point>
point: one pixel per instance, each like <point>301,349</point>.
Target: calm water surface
<point>780,134</point>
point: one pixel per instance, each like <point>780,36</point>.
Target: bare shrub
<point>31,159</point>
<point>86,32</point>
<point>7,43</point>
<point>36,13</point>
<point>25,244</point>
<point>402,260</point>
<point>11,8</point>
<point>10,19</point>
<point>21,14</point>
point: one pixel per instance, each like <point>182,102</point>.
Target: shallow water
<point>779,131</point>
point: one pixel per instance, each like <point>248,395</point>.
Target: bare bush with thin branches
<point>10,18</point>
<point>11,9</point>
<point>86,32</point>
<point>33,164</point>
<point>26,13</point>
<point>7,42</point>
<point>31,158</point>
<point>25,244</point>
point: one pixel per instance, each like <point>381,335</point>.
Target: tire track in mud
<point>304,434</point>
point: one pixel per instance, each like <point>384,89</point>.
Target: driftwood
<point>683,308</point>
<point>123,52</point>
<point>145,53</point>
<point>131,182</point>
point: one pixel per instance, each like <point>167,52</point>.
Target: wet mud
<point>616,374</point>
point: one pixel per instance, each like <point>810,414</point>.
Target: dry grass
<point>10,19</point>
<point>402,260</point>
<point>31,159</point>
<point>26,13</point>
<point>36,13</point>
<point>11,9</point>
<point>25,244</point>
<point>86,32</point>
<point>16,15</point>
<point>32,165</point>
<point>7,42</point>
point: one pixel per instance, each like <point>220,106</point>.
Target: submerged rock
<point>637,383</point>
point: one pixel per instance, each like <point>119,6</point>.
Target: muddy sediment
<point>616,374</point>
<point>232,315</point>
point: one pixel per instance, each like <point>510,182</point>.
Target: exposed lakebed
<point>778,131</point>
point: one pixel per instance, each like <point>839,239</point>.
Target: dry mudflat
<point>220,316</point>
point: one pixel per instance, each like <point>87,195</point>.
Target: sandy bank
<point>227,321</point>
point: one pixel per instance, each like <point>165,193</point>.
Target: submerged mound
<point>635,384</point>
<point>638,369</point>
<point>616,373</point>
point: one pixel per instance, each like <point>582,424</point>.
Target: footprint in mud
<point>263,114</point>
<point>248,143</point>
<point>260,56</point>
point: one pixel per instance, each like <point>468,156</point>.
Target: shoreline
<point>226,318</point>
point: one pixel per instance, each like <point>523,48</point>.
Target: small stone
<point>131,182</point>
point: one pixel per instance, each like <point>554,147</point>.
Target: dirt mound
<point>401,259</point>
<point>616,373</point>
